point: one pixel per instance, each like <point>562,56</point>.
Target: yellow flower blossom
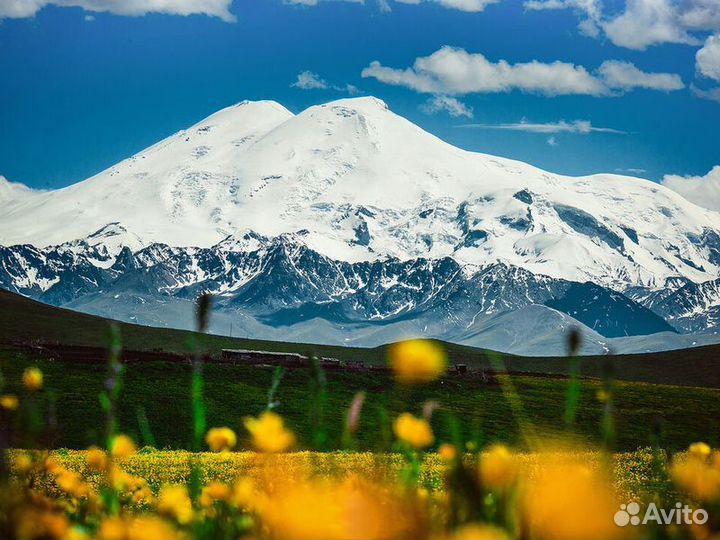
<point>23,463</point>
<point>559,486</point>
<point>414,431</point>
<point>269,433</point>
<point>9,402</point>
<point>112,528</point>
<point>699,450</point>
<point>447,452</point>
<point>479,531</point>
<point>214,491</point>
<point>220,439</point>
<point>699,479</point>
<point>174,501</point>
<point>122,446</point>
<point>417,361</point>
<point>244,493</point>
<point>32,379</point>
<point>96,459</point>
<point>498,468</point>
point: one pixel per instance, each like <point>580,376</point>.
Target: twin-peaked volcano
<point>349,215</point>
<point>361,183</point>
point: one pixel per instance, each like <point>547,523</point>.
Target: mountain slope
<point>362,183</point>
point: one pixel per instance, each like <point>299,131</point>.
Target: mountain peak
<point>360,103</point>
<point>13,191</point>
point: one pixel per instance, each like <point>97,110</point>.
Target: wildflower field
<point>200,450</point>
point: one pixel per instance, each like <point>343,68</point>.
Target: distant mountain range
<point>347,224</point>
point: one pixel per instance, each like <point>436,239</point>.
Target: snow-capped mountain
<point>351,220</point>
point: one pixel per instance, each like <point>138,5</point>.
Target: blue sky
<point>82,90</point>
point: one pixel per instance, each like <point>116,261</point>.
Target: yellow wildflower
<point>700,480</point>
<point>414,431</point>
<point>77,533</point>
<point>96,459</point>
<point>122,446</point>
<point>559,486</point>
<point>269,433</point>
<point>214,491</point>
<point>9,402</point>
<point>150,528</point>
<point>32,379</point>
<point>699,450</point>
<point>23,463</point>
<point>498,468</point>
<point>113,528</point>
<point>479,531</point>
<point>220,439</point>
<point>174,501</point>
<point>447,452</point>
<point>417,361</point>
<point>244,493</point>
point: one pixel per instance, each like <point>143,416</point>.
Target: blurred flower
<point>417,361</point>
<point>341,510</point>
<point>23,463</point>
<point>150,528</point>
<point>699,450</point>
<point>498,468</point>
<point>244,493</point>
<point>269,433</point>
<point>220,439</point>
<point>112,528</point>
<point>174,501</point>
<point>479,531</point>
<point>414,431</point>
<point>447,452</point>
<point>96,459</point>
<point>698,478</point>
<point>32,379</point>
<point>602,395</point>
<point>9,402</point>
<point>122,446</point>
<point>215,491</point>
<point>567,500</point>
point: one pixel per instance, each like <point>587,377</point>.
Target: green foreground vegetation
<point>160,390</point>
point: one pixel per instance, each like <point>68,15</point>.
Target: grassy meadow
<point>199,449</point>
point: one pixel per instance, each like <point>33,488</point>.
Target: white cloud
<point>453,106</point>
<point>471,6</point>
<point>632,170</point>
<point>453,71</point>
<point>702,190</point>
<point>583,127</point>
<point>712,93</point>
<point>307,80</point>
<point>212,8</point>
<point>626,76</point>
<point>551,141</point>
<point>707,59</point>
<point>645,23</point>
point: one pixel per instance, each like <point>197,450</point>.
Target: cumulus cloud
<point>454,71</point>
<point>551,141</point>
<point>707,59</point>
<point>642,23</point>
<point>626,76</point>
<point>702,190</point>
<point>453,106</point>
<point>307,80</point>
<point>212,8</point>
<point>583,127</point>
<point>645,23</point>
